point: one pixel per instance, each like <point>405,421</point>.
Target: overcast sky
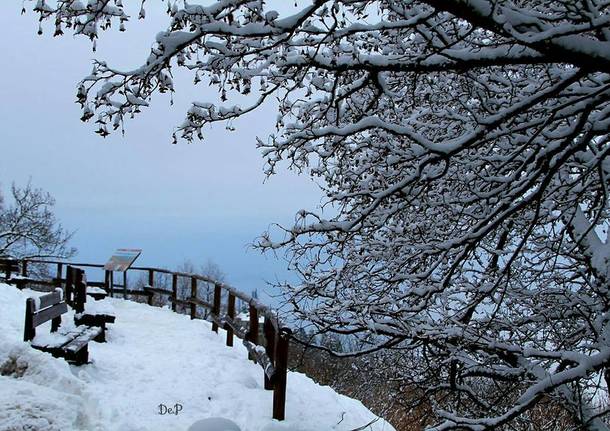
<point>176,202</point>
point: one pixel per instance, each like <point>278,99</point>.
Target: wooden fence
<point>269,349</point>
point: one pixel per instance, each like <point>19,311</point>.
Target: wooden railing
<point>270,350</point>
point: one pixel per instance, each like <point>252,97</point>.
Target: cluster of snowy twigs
<point>463,148</point>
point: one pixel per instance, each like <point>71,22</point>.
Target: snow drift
<point>153,357</point>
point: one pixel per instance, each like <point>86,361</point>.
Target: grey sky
<point>199,201</point>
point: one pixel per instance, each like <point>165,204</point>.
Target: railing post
<point>253,331</point>
<point>107,285</point>
<point>7,271</point>
<point>269,331</point>
<point>125,284</point>
<point>216,306</point>
<point>60,267</point>
<point>24,273</point>
<point>174,291</point>
<point>193,296</point>
<point>231,315</point>
<point>281,370</point>
<point>151,280</point>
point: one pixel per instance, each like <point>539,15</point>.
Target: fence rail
<point>269,351</point>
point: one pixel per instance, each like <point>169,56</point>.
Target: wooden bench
<point>76,296</point>
<point>71,345</point>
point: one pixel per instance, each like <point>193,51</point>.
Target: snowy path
<point>155,356</point>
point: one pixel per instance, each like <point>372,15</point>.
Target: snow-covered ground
<point>153,356</point>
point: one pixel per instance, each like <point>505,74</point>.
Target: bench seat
<point>61,340</point>
<point>95,320</point>
<point>81,340</point>
<point>72,346</point>
<point>96,293</point>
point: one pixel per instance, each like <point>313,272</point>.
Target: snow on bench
<point>71,344</point>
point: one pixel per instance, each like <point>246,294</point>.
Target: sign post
<point>121,260</point>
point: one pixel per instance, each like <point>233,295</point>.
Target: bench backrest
<point>42,309</point>
<point>76,288</point>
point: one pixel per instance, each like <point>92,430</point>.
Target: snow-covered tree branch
<point>463,148</point>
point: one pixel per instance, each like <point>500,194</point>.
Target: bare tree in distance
<point>463,148</point>
<point>204,290</point>
<point>28,227</point>
<point>164,281</point>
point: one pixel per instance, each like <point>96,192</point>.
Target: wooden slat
<point>32,281</point>
<point>136,292</point>
<point>191,301</point>
<point>236,328</point>
<point>60,340</point>
<point>157,290</point>
<point>200,302</point>
<point>217,321</point>
<point>82,339</point>
<point>180,302</point>
<point>84,265</point>
<point>55,344</point>
<point>88,319</point>
<point>49,313</point>
<point>49,299</point>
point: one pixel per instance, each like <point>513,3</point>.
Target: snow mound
<point>153,361</point>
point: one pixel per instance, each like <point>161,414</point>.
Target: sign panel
<point>122,259</point>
